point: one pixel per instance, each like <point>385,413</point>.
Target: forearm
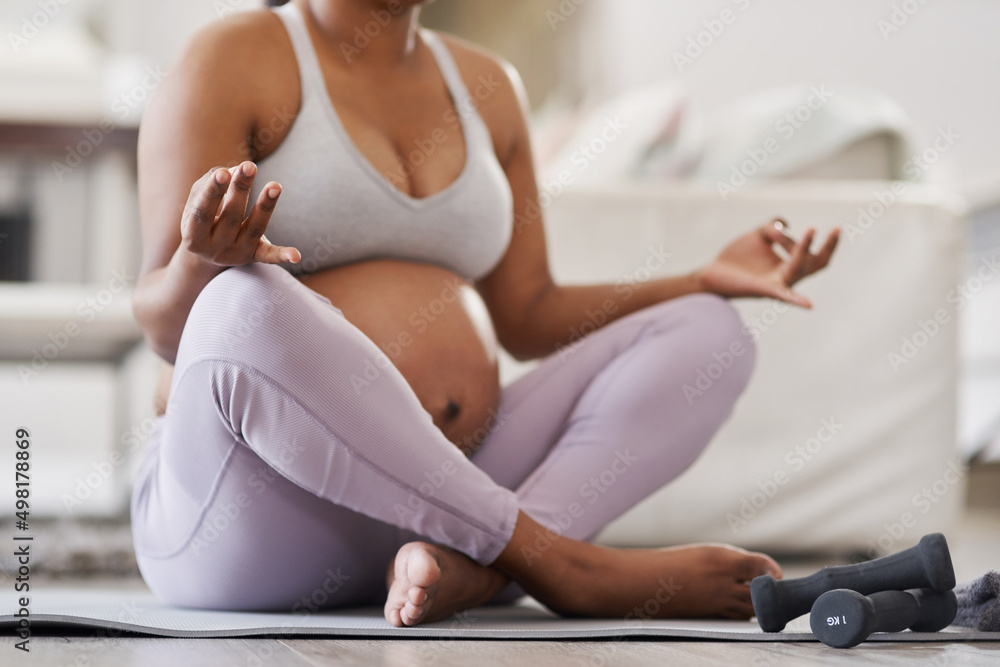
<point>163,298</point>
<point>562,314</point>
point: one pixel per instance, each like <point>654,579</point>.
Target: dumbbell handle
<point>843,618</point>
<point>926,565</point>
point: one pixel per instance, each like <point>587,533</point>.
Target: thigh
<point>215,526</point>
<point>586,412</point>
<point>535,409</point>
<point>279,368</point>
<point>265,380</point>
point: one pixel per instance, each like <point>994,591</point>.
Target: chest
<point>405,125</point>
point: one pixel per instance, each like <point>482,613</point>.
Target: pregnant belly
<point>434,328</point>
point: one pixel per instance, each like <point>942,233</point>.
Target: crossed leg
<point>272,482</point>
<point>591,431</point>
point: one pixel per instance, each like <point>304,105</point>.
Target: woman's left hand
<point>749,266</point>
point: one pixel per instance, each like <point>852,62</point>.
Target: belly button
<point>452,410</point>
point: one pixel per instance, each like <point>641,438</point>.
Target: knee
<point>720,345</point>
<point>244,286</point>
<point>244,303</point>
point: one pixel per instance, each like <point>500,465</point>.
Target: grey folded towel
<point>979,603</point>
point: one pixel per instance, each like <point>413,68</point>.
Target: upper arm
<point>522,276</point>
<point>202,116</point>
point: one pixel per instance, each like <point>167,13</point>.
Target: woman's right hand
<point>216,228</point>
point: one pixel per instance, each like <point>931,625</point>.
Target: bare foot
<point>691,581</point>
<point>429,583</point>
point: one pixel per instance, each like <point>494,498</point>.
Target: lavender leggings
<point>278,480</point>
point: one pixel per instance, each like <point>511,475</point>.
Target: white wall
<point>154,29</point>
<point>160,28</point>
<point>942,65</point>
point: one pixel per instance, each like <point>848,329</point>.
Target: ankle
<point>581,577</point>
<point>559,571</point>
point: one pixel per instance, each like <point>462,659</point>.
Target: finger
<point>773,235</point>
<point>824,254</point>
<point>796,299</point>
<point>781,233</point>
<point>269,253</point>
<point>255,224</point>
<point>234,205</point>
<point>203,205</point>
<point>771,566</point>
<point>793,270</point>
<point>755,565</point>
<point>776,289</point>
<point>785,294</point>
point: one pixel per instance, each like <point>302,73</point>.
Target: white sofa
<point>891,472</point>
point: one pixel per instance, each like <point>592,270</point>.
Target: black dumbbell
<point>927,565</point>
<point>843,618</point>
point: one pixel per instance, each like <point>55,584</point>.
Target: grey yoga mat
<point>109,612</point>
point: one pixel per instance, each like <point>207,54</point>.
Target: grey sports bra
<point>336,208</point>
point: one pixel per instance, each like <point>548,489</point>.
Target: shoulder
<point>243,37</point>
<point>495,88</point>
<point>223,57</point>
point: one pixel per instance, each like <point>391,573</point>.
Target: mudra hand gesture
<point>750,266</point>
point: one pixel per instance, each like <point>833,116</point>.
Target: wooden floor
<point>976,549</point>
<point>154,652</point>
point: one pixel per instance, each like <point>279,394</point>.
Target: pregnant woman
<point>333,430</point>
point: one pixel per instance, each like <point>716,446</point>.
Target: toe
<point>411,614</point>
<point>755,565</point>
<point>418,596</point>
<point>392,615</point>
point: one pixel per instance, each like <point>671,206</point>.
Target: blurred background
<point>875,116</point>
